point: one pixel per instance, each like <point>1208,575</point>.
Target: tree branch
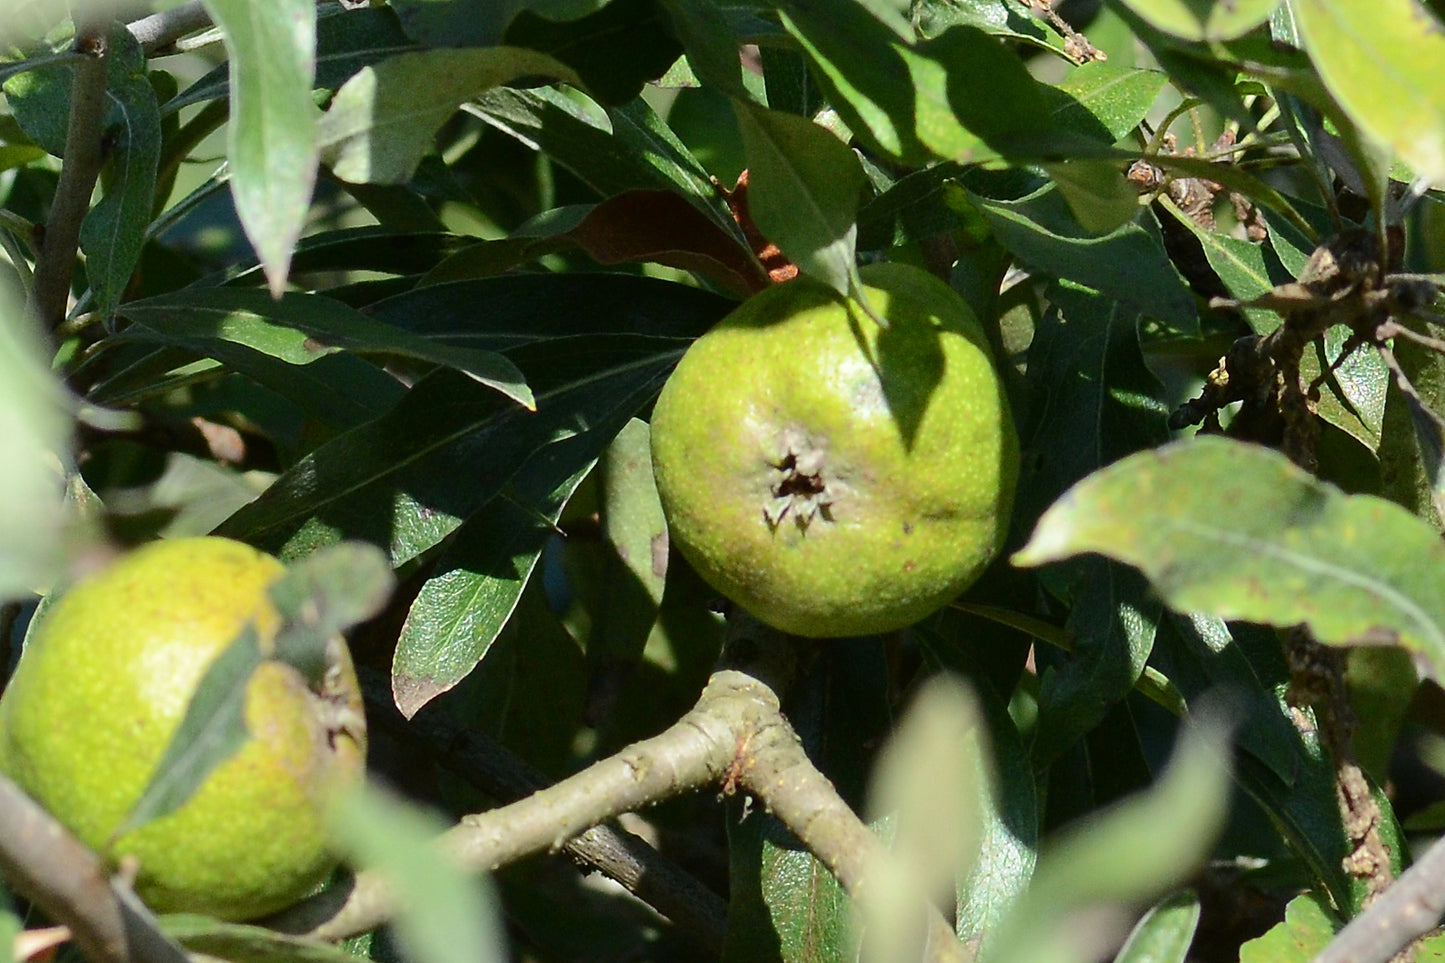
<point>61,875</point>
<point>158,31</point>
<point>84,157</point>
<point>608,849</point>
<point>735,736</point>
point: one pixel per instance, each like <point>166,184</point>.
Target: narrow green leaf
<point>612,150</point>
<point>1381,61</point>
<point>212,731</point>
<point>384,119</point>
<point>302,328</point>
<point>1165,933</point>
<point>479,580</point>
<point>271,143</point>
<point>785,906</point>
<point>203,935</point>
<point>114,230</point>
<point>1087,373</point>
<point>408,479</point>
<point>447,915</point>
<point>712,50</point>
<point>1203,19</point>
<point>1238,531</point>
<point>803,192</point>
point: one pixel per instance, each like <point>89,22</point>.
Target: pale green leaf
<point>382,121</point>
<point>271,143</point>
<point>1381,61</point>
<point>1238,531</point>
<point>34,428</point>
<point>1203,19</point>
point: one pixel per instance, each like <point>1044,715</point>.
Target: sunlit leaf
<point>1237,530</point>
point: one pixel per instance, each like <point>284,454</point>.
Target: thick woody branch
<point>62,876</point>
<point>84,157</point>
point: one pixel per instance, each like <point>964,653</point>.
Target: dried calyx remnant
<point>798,488</point>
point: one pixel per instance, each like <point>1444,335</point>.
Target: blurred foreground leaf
<point>447,915</point>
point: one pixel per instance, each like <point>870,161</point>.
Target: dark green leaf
<point>1135,850</point>
<point>614,50</point>
<point>271,144</point>
<point>785,906</point>
<point>1237,530</point>
<point>712,50</point>
<point>384,119</point>
<point>1089,380</point>
<point>1128,264</point>
<point>212,731</point>
<point>803,191</point>
<point>301,328</point>
<point>611,151</point>
<point>409,479</point>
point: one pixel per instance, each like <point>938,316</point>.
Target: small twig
<point>84,158</point>
<point>158,31</point>
<point>61,875</point>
